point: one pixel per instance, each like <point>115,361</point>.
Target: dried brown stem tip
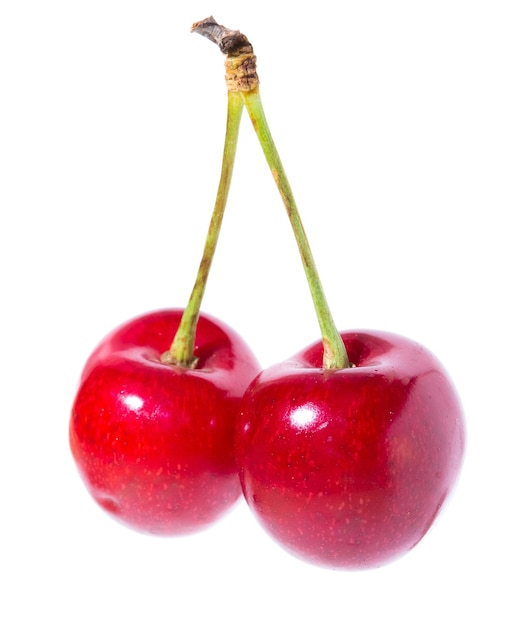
<point>240,62</point>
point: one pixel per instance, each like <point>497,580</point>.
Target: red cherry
<point>348,468</point>
<point>153,441</point>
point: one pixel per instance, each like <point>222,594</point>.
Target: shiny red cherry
<point>153,441</point>
<point>349,468</point>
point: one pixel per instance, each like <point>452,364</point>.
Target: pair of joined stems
<point>182,349</point>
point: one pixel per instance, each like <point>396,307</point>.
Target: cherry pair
<point>345,453</point>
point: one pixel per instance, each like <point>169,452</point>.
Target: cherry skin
<point>152,441</point>
<point>349,468</point>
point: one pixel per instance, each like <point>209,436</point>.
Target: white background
<point>399,126</point>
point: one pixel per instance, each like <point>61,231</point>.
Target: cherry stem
<point>335,355</point>
<point>182,349</point>
<point>241,77</point>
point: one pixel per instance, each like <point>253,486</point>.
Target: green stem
<point>335,355</point>
<point>242,78</point>
<point>182,349</point>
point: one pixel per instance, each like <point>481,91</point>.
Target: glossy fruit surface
<point>349,468</point>
<point>154,442</point>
